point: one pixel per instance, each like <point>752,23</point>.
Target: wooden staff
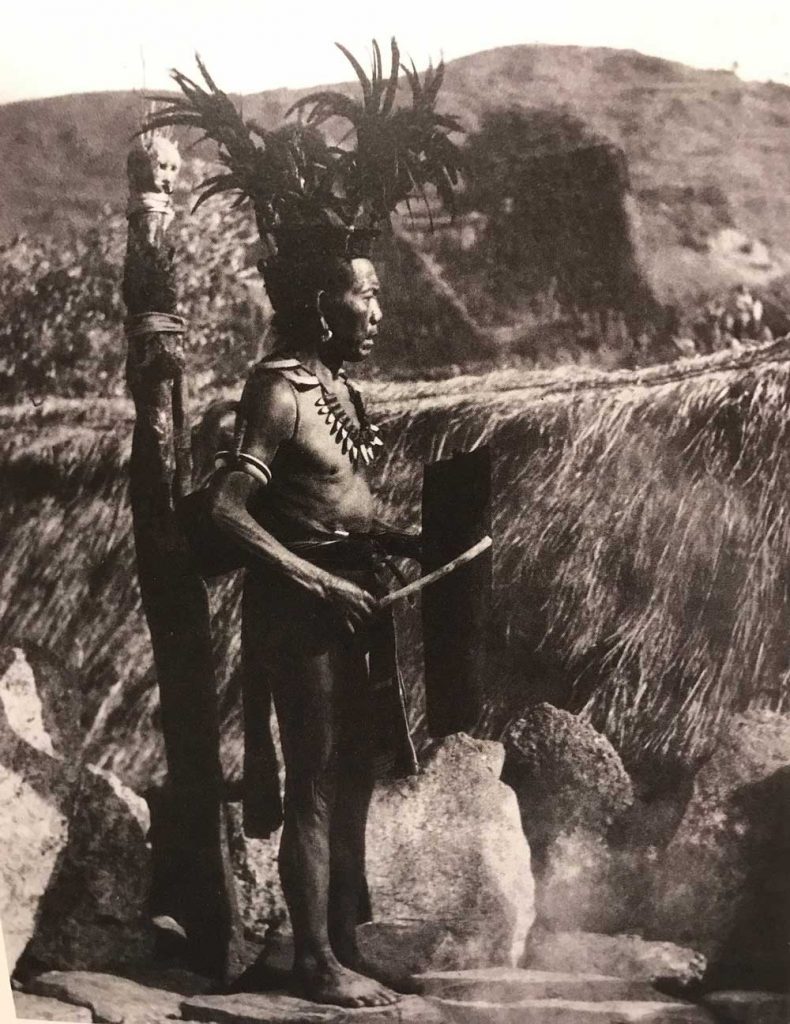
<point>438,574</point>
<point>192,869</point>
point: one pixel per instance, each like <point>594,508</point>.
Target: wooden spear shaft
<point>438,574</point>
<point>192,869</point>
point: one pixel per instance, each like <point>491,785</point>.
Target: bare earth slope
<point>707,152</point>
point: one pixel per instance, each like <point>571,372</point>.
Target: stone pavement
<point>499,995</point>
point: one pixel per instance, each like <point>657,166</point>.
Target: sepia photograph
<point>394,517</point>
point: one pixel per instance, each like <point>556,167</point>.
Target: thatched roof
<point>642,532</point>
<point>642,535</point>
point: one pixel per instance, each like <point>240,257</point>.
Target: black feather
<point>292,175</point>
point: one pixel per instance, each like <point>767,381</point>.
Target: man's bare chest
<point>327,431</point>
<point>333,436</point>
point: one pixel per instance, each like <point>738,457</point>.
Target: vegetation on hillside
<point>61,312</point>
<point>707,152</point>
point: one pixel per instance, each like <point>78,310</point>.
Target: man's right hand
<point>352,605</point>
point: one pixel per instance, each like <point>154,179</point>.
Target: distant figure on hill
<point>743,304</point>
<point>748,317</point>
<point>743,300</point>
<point>728,327</point>
<point>710,326</point>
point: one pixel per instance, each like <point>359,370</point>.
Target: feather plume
<point>399,153</point>
<point>293,177</point>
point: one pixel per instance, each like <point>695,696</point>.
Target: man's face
<point>354,315</point>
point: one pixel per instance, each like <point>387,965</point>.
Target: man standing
<point>292,494</point>
<point>295,496</point>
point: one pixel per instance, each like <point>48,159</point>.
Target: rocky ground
<point>484,996</point>
<point>574,894</point>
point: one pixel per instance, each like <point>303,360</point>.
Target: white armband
<point>244,463</point>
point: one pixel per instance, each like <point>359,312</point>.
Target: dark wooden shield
<point>456,513</point>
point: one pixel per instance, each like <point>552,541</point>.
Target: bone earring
<point>326,330</point>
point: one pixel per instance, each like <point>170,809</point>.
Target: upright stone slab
<point>566,776</point>
<point>448,865</point>
<point>33,835</point>
<point>74,858</point>
<point>36,789</point>
<point>724,885</point>
<point>456,610</point>
<point>254,862</point>
<point>95,915</point>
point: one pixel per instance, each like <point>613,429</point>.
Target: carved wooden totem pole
<point>193,883</point>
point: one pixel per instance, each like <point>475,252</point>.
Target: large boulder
<point>448,864</point>
<point>74,859</point>
<point>572,788</point>
<point>37,725</point>
<point>34,824</point>
<point>254,863</point>
<point>566,776</point>
<point>724,884</point>
<point>94,915</point>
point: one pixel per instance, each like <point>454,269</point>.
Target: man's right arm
<point>269,409</point>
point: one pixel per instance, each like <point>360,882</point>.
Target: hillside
<point>708,153</point>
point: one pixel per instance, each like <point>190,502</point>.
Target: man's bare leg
<point>347,878</point>
<point>305,873</point>
<point>347,860</point>
<point>307,712</point>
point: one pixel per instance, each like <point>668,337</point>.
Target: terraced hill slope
<point>708,153</point>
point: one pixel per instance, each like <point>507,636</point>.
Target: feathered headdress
<point>304,189</point>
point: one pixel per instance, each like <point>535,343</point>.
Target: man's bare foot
<point>332,983</point>
<point>398,981</point>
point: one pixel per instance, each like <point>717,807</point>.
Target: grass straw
<point>642,543</point>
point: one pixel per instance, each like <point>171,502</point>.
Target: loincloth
<point>284,625</point>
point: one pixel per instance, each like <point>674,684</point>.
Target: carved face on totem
<point>153,164</point>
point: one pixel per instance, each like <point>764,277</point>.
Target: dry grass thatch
<point>642,536</point>
<point>642,542</point>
